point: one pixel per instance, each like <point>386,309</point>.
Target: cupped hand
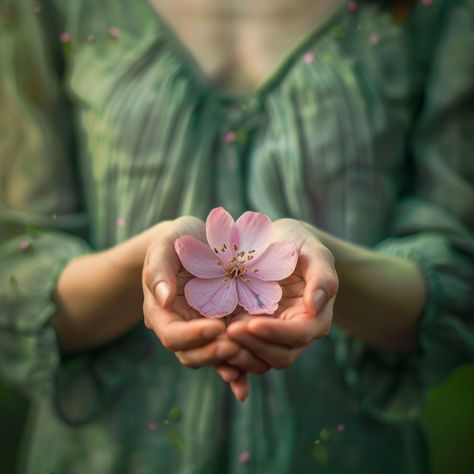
<point>305,310</point>
<point>195,340</point>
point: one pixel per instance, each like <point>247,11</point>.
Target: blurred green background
<point>449,414</point>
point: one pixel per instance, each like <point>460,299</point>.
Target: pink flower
<point>241,266</point>
<point>244,457</point>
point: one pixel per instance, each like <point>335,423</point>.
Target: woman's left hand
<point>304,313</point>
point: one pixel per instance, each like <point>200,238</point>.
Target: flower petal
<point>197,258</point>
<point>214,298</point>
<point>259,297</point>
<point>255,231</point>
<point>277,262</point>
<point>219,225</point>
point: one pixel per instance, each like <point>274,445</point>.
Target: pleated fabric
<point>364,129</point>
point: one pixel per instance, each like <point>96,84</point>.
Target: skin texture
<point>237,44</point>
<point>379,301</point>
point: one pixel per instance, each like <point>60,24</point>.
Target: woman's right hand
<point>196,341</point>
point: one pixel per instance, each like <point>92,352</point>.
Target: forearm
<point>380,297</point>
<point>99,296</point>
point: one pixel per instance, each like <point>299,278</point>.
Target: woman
<point>353,137</point>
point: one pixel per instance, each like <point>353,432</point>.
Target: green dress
<point>365,130</point>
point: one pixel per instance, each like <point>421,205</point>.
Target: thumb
<point>318,271</point>
<point>159,274</point>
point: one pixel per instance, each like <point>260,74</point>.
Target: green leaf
<point>175,438</point>
<point>174,415</point>
<point>33,232</point>
<point>13,281</point>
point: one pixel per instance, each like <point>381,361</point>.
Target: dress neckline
<point>192,67</point>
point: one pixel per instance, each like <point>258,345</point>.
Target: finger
<point>215,353</point>
<point>160,270</point>
<point>274,355</point>
<point>318,270</point>
<point>245,361</point>
<point>240,388</point>
<point>227,373</point>
<point>177,334</point>
<point>297,332</point>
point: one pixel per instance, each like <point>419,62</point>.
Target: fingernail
<point>162,292</point>
<point>319,300</point>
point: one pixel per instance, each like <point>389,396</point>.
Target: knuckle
<point>331,284</point>
<point>166,342</point>
<point>149,277</point>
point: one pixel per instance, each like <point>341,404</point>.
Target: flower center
<point>236,266</point>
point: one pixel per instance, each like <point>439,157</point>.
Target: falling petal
<point>24,245</point>
<point>37,9</point>
<point>114,32</point>
<point>259,297</point>
<point>254,231</point>
<point>352,6</point>
<point>214,298</point>
<point>90,38</point>
<point>427,3</point>
<point>65,37</point>
<point>244,457</point>
<point>229,137</point>
<point>197,258</point>
<point>374,38</point>
<point>308,58</point>
<point>120,222</point>
<point>152,426</point>
<point>276,263</point>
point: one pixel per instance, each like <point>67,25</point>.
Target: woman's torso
<point>313,125</point>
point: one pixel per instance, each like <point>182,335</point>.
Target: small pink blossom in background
<point>120,222</point>
<point>240,266</point>
<point>90,38</point>
<point>24,245</point>
<point>114,32</point>
<point>244,457</point>
<point>65,37</point>
<point>341,427</point>
<point>352,6</point>
<point>427,3</point>
<point>374,38</point>
<point>229,137</point>
<point>309,57</point>
<point>152,426</point>
<point>37,9</point>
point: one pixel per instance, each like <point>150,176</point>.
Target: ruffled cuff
<point>392,386</point>
<point>30,358</point>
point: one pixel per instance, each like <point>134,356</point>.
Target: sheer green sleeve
<point>43,224</point>
<point>433,226</point>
